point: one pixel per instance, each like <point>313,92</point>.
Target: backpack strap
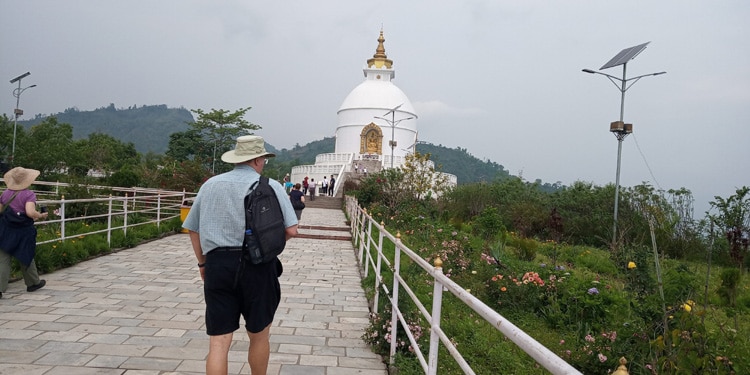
<point>12,197</point>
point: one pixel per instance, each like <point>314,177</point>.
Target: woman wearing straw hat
<point>19,239</point>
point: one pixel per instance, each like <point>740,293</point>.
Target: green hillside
<point>147,127</point>
<point>460,162</point>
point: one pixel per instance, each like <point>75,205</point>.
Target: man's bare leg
<point>218,354</point>
<point>259,351</point>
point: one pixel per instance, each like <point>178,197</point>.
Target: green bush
<point>730,281</point>
<point>523,248</point>
<point>489,224</point>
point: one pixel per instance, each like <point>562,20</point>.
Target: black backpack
<point>265,233</point>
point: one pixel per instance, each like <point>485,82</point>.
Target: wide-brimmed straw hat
<point>248,147</point>
<point>20,178</point>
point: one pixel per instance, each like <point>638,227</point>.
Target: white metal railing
<point>152,206</point>
<point>339,178</point>
<point>362,225</point>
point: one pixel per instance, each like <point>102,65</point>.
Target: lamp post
<point>619,128</point>
<point>17,112</point>
<point>393,124</point>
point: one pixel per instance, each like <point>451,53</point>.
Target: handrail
<point>339,183</point>
<point>153,206</point>
<point>362,225</point>
<point>161,207</point>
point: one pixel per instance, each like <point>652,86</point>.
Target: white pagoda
<point>377,127</point>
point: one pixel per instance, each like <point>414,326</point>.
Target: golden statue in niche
<point>372,143</point>
<point>371,140</point>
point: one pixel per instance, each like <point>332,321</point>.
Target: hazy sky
<point>500,78</point>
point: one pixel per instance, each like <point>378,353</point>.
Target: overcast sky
<point>500,78</point>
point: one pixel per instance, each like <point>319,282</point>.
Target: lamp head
<point>588,71</point>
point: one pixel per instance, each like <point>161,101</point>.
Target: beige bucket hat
<point>248,147</point>
<point>20,178</point>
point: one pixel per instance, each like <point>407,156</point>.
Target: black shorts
<point>235,287</point>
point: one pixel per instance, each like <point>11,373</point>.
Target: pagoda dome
<point>375,94</point>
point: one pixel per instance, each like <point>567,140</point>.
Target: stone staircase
<point>315,223</point>
<point>333,203</point>
<point>372,166</point>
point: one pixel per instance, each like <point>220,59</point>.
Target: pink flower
<point>602,357</point>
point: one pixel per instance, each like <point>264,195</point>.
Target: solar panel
<point>625,55</point>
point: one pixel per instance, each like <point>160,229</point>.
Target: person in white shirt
<point>311,188</point>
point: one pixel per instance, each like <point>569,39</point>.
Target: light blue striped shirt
<point>218,212</point>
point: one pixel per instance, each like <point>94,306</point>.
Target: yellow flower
<point>631,265</point>
<point>686,307</point>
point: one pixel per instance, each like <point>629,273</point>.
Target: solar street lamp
<point>17,111</point>
<point>392,122</point>
<point>619,128</point>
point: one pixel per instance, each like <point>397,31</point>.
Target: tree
<point>47,148</point>
<point>210,136</point>
<point>105,153</point>
<point>6,137</point>
<point>587,211</point>
<point>733,219</point>
<point>421,179</point>
<point>416,180</point>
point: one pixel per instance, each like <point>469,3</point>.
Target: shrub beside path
<point>141,311</point>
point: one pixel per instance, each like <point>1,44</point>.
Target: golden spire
<point>379,59</point>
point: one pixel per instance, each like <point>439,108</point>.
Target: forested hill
<point>465,166</point>
<point>147,127</point>
<point>456,161</point>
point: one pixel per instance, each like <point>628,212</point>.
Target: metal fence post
<point>437,303</point>
<point>362,236</point>
<point>394,303</point>
<point>125,214</point>
<point>158,209</point>
<point>377,269</point>
<point>368,253</point>
<point>109,221</point>
<point>62,216</point>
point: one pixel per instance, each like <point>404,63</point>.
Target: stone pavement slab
<point>141,311</point>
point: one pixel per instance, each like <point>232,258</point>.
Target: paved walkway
<point>141,311</point>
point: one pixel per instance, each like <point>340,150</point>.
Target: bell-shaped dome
<point>373,94</point>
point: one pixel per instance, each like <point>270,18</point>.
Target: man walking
<point>232,286</point>
<point>312,185</point>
